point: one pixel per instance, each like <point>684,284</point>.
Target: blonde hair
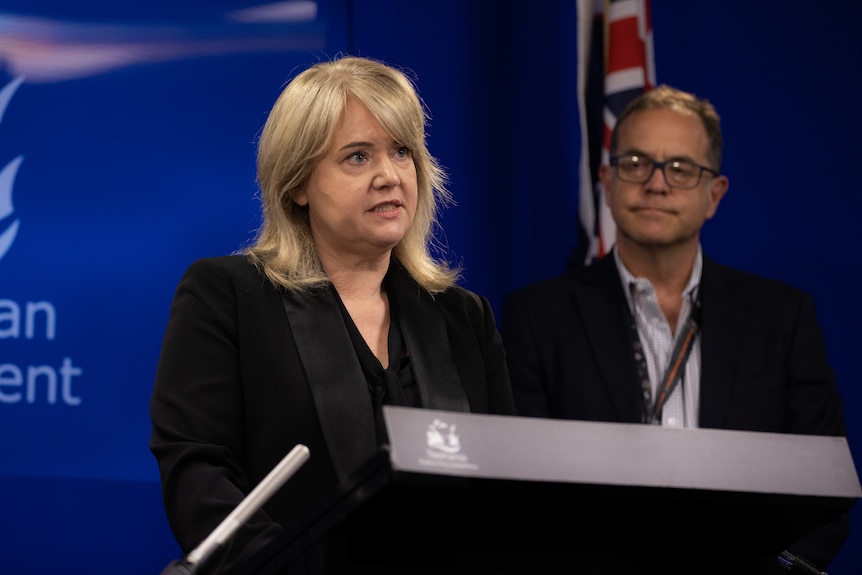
<point>298,132</point>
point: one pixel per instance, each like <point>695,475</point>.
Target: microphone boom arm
<point>273,481</point>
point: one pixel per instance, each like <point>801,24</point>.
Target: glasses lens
<point>681,173</point>
<point>635,169</point>
<point>639,169</point>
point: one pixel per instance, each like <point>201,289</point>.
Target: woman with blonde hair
<point>338,308</point>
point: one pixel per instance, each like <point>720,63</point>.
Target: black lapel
<point>437,378</point>
<point>602,304</point>
<point>335,378</point>
<point>722,325</point>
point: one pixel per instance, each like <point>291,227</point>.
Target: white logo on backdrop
<point>44,50</point>
<point>19,384</point>
<point>52,50</point>
<point>8,230</point>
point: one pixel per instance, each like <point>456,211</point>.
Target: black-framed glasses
<point>638,169</point>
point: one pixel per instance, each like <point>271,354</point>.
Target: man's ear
<point>605,179</point>
<point>717,188</point>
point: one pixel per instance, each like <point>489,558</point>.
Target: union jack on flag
<point>621,32</point>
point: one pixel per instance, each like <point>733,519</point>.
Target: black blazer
<point>764,364</point>
<point>248,371</point>
<point>763,357</point>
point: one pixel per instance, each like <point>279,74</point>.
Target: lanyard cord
<point>673,373</point>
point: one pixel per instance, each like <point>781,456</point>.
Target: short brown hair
<point>664,97</point>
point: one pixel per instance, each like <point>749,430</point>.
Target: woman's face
<point>362,194</point>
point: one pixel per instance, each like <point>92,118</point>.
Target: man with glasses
<point>656,332</point>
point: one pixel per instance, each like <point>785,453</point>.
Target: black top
<point>393,385</point>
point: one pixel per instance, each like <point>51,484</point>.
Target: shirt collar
<point>630,282</point>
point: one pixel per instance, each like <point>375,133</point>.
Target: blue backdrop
<point>127,150</point>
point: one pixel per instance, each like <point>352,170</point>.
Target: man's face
<point>654,214</point>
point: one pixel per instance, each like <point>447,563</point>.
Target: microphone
<point>247,507</point>
<point>797,565</point>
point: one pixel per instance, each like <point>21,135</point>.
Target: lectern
<point>458,493</point>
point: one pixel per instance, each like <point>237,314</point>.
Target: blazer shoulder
<point>754,285</point>
<point>452,298</point>
<point>549,286</point>
<point>222,277</point>
<point>551,290</point>
<point>236,268</point>
<point>460,298</point>
<point>234,264</point>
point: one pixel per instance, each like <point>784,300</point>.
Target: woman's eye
<point>357,157</point>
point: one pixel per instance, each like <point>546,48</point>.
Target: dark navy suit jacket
<point>764,364</point>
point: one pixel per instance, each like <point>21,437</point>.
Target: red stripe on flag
<point>606,136</point>
<point>625,47</point>
<point>628,46</point>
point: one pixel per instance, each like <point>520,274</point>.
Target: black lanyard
<point>673,373</point>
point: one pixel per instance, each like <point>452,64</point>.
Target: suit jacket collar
<point>723,322</point>
<point>601,301</point>
<point>434,366</point>
<point>335,377</point>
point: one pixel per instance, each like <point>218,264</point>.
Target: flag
<point>616,64</point>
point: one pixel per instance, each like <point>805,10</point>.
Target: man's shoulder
<point>555,291</point>
<point>572,279</point>
<point>740,276</point>
<point>747,284</point>
<point>556,284</point>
